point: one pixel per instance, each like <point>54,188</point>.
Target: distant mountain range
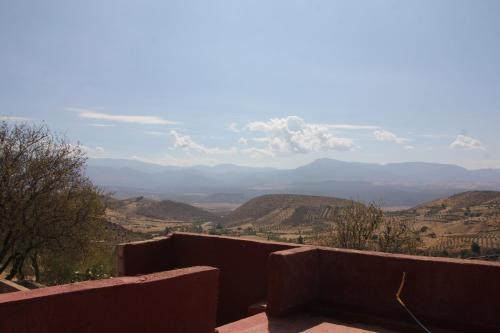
<point>395,184</point>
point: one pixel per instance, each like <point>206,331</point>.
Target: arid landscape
<point>446,227</point>
<point>449,208</point>
<point>154,217</point>
<point>452,224</point>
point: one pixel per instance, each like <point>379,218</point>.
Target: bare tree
<point>355,224</point>
<point>47,206</point>
<point>365,227</point>
<point>398,236</point>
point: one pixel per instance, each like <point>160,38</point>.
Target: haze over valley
<point>225,186</point>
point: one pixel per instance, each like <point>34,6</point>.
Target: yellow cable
<point>401,289</point>
<point>404,306</point>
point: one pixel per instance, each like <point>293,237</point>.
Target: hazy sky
<point>274,83</point>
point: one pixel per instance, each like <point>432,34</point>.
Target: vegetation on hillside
<point>52,222</point>
<point>175,210</point>
<point>365,227</point>
<point>290,209</point>
<point>444,227</point>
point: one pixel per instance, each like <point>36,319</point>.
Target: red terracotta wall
<point>178,301</point>
<point>292,280</point>
<point>242,264</point>
<point>463,295</point>
<point>145,257</point>
<point>459,294</point>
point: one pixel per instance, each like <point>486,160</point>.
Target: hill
<point>446,226</point>
<point>168,209</point>
<point>118,234</point>
<point>164,210</point>
<point>453,223</point>
<point>154,217</point>
<point>461,203</point>
<point>286,209</point>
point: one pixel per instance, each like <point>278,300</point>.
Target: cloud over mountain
<point>383,135</point>
<point>466,142</point>
<point>293,134</point>
<point>185,141</point>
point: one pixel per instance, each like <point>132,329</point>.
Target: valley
<point>446,227</point>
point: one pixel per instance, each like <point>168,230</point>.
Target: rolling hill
<point>454,222</point>
<point>470,201</point>
<point>286,209</point>
<point>163,210</point>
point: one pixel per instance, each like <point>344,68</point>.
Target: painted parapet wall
<point>242,264</point>
<point>458,294</point>
<point>175,301</point>
<point>293,280</point>
<point>455,294</point>
<point>145,257</point>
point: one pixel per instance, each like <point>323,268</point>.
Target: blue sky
<point>263,83</point>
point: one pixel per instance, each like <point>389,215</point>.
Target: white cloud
<point>102,125</point>
<point>435,136</point>
<point>242,141</point>
<point>466,142</point>
<point>352,127</point>
<point>146,120</point>
<point>383,135</point>
<point>234,128</point>
<point>293,134</point>
<point>185,141</point>
<point>96,151</point>
<point>13,118</point>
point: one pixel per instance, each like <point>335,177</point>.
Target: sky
<point>258,83</point>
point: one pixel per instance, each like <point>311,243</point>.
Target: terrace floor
<point>307,323</point>
<point>261,323</point>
